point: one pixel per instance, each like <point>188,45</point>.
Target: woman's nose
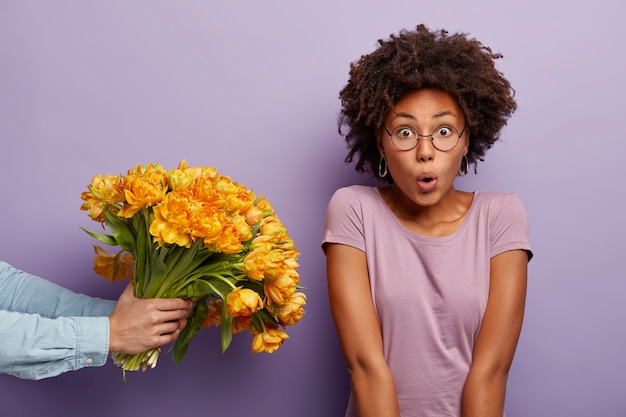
<point>425,150</point>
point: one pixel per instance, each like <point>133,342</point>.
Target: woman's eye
<point>405,133</point>
<point>444,131</point>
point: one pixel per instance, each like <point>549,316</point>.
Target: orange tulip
<point>243,302</point>
<point>292,311</point>
<point>268,341</point>
<point>113,267</point>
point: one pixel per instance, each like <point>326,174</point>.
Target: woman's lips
<point>426,182</point>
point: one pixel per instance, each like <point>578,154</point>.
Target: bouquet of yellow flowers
<point>195,234</point>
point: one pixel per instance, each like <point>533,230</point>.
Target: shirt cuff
<point>92,341</point>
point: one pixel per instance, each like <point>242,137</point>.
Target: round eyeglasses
<point>444,138</point>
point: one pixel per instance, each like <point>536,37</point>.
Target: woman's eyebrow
<point>435,116</point>
<point>445,113</point>
<point>404,115</point>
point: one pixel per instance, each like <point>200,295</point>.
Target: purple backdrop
<point>98,87</point>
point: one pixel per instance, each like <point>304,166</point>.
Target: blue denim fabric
<point>46,329</point>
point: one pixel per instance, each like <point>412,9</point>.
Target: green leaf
<point>220,288</point>
<point>143,252</point>
<point>104,238</point>
<point>157,285</point>
<point>198,289</point>
<point>186,259</point>
<point>119,229</point>
<point>266,317</point>
<point>194,324</point>
<point>226,328</point>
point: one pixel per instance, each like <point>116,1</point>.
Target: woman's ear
<point>466,144</point>
<point>379,140</point>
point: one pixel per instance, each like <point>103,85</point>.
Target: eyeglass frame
<point>432,139</point>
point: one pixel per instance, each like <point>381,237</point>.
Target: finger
<point>164,339</point>
<point>173,315</point>
<point>170,337</point>
<point>171,304</point>
<point>167,328</point>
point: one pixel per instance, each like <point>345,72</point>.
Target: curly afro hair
<point>412,60</point>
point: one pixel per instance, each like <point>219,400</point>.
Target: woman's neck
<point>440,219</point>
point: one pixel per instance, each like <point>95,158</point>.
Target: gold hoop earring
<point>464,168</point>
<point>382,172</point>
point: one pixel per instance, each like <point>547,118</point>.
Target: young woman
<point>427,283</point>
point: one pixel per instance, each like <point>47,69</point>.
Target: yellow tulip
<point>254,263</point>
<point>264,205</point>
<point>104,190</point>
<point>207,222</point>
<point>214,316</point>
<point>238,202</point>
<point>240,323</point>
<point>208,174</point>
<point>228,241</point>
<point>268,341</point>
<point>253,215</point>
<point>243,228</point>
<point>113,267</point>
<point>243,302</point>
<point>272,226</point>
<point>292,311</point>
<point>182,178</point>
<point>142,191</point>
<point>262,242</point>
<point>171,223</point>
<point>279,290</point>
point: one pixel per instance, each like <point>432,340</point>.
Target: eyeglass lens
<point>443,138</point>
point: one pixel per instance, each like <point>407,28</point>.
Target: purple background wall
<point>251,88</point>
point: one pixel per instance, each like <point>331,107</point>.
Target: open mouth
<point>427,182</point>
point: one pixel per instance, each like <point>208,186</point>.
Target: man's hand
<point>137,325</point>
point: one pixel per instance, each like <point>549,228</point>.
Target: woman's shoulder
<point>357,189</point>
<point>499,205</point>
<point>358,201</point>
<point>355,193</point>
<point>496,198</point>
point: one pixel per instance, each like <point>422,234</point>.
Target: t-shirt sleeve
<point>344,220</point>
<point>509,227</point>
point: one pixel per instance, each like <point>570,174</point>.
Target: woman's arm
<point>494,348</point>
<point>359,332</point>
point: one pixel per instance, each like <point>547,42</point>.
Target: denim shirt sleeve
<point>46,329</point>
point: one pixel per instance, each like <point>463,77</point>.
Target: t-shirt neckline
<point>415,235</point>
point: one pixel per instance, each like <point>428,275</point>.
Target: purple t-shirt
<point>429,293</point>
